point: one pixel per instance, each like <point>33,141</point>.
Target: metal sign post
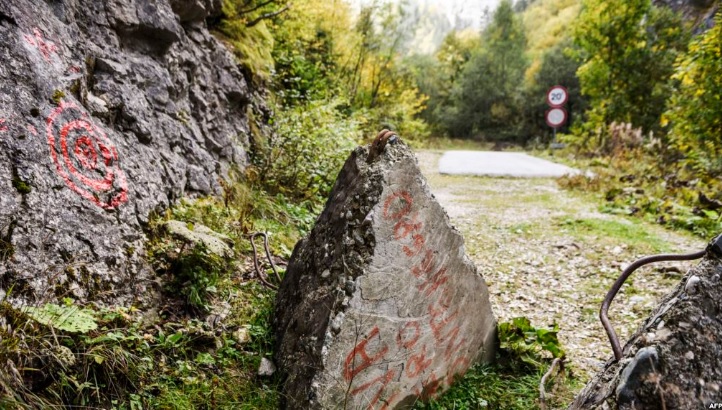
<point>556,116</point>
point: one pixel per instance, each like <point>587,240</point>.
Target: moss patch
<point>21,186</point>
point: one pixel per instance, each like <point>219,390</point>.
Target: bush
<point>696,106</point>
<point>308,150</point>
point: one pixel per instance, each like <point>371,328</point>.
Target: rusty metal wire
<point>603,316</point>
<point>261,275</point>
<point>379,143</point>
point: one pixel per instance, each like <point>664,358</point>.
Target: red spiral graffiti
<point>85,158</point>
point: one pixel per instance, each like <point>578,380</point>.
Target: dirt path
<point>550,255</point>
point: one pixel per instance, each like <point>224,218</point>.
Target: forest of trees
<point>642,82</point>
<point>616,58</point>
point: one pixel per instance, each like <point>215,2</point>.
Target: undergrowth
<point>199,347</point>
<point>122,359</point>
<point>646,182</point>
<point>512,382</point>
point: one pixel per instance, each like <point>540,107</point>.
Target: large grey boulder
<point>109,110</point>
<point>674,360</point>
<point>379,307</point>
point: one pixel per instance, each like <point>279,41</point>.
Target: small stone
<point>64,355</point>
<point>214,242</point>
<point>643,363</point>
<point>325,274</point>
<point>636,299</point>
<point>662,334</point>
<point>689,355</point>
<point>337,322</point>
<point>692,283</point>
<point>97,105</point>
<point>713,386</point>
<point>369,218</point>
<point>241,335</point>
<point>266,368</point>
<point>350,287</point>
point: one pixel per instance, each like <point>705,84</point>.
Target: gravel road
<point>550,255</point>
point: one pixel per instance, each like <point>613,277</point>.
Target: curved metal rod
<point>613,338</point>
<point>268,255</point>
<point>261,275</point>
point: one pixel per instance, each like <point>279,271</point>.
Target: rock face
<point>380,306</point>
<point>109,110</point>
<point>674,360</point>
<point>699,12</point>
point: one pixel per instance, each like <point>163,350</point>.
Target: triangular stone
<point>380,307</point>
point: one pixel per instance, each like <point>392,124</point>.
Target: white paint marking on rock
<point>501,164</point>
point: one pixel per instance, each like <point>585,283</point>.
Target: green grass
<point>613,232</point>
<point>124,358</point>
<point>513,381</point>
<point>499,388</point>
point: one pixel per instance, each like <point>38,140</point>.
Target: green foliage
<point>21,186</point>
<point>435,75</point>
<point>488,387</point>
<point>696,104</point>
<point>557,67</point>
<point>485,98</point>
<point>243,25</point>
<point>382,90</point>
<point>305,54</point>
<point>639,182</point>
<point>69,318</point>
<point>251,46</point>
<point>525,342</point>
<point>195,274</point>
<point>128,361</point>
<point>546,23</point>
<point>629,233</point>
<point>311,143</point>
<point>57,96</point>
<point>513,382</point>
<point>627,49</point>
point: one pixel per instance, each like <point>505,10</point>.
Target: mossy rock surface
<point>214,242</point>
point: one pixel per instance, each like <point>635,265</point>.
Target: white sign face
<point>556,117</point>
<point>557,96</point>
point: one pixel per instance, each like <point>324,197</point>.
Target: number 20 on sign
<point>557,96</point>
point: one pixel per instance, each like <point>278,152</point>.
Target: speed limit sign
<point>556,117</point>
<point>557,96</point>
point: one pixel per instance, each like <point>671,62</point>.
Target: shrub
<point>696,106</point>
<point>308,150</point>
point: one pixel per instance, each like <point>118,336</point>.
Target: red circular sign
<point>556,117</point>
<point>85,158</point>
<point>557,96</point>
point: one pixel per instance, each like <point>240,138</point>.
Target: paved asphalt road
<point>500,164</point>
